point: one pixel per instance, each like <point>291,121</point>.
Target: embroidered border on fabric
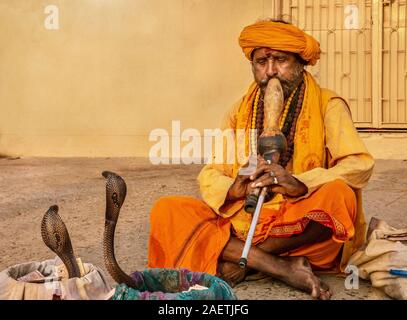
<point>299,226</point>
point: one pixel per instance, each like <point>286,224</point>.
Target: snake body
<point>115,194</point>
<point>56,237</point>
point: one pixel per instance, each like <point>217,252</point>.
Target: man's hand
<point>240,188</point>
<point>278,180</point>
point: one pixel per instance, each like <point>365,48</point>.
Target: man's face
<point>268,63</point>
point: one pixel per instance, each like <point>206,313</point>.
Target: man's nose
<point>271,70</point>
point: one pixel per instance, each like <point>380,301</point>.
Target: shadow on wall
<point>7,157</point>
<point>4,156</point>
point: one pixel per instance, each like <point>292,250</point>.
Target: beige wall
<point>115,70</point>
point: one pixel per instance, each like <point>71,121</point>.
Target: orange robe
<point>186,233</point>
<point>329,158</point>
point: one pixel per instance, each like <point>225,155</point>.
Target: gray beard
<point>287,86</point>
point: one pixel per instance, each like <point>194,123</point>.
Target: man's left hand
<point>277,179</point>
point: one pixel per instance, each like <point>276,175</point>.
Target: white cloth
<point>383,251</point>
<point>91,286</point>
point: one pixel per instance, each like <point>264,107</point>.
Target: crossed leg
<point>295,271</point>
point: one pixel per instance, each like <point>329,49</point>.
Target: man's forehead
<point>269,52</point>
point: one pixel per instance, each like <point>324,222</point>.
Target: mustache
<point>284,82</point>
<point>287,85</point>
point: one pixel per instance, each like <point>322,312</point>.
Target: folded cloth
<point>92,285</point>
<point>384,251</point>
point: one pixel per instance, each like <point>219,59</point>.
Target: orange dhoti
<point>186,233</point>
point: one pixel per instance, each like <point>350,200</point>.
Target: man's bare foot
<point>298,273</point>
<point>231,273</point>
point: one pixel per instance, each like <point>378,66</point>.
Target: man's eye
<point>261,62</point>
<point>281,59</point>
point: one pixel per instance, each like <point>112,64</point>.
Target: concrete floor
<point>28,186</point>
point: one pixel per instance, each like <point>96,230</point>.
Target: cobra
<point>115,194</point>
<point>56,237</point>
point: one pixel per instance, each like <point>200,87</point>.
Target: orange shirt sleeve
<point>350,160</point>
<point>216,178</point>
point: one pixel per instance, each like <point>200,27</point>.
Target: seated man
<point>315,221</point>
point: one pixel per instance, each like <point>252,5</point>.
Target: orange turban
<point>279,36</point>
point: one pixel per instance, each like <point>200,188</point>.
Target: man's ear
<point>252,64</point>
<point>252,55</point>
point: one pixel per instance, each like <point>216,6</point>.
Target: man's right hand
<point>240,188</point>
